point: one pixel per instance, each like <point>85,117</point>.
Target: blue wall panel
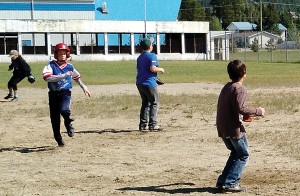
<point>156,10</point>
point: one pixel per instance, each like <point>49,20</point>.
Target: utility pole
<point>261,24</point>
<point>261,29</point>
<point>145,15</point>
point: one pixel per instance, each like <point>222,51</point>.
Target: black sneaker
<point>142,128</point>
<point>234,189</point>
<point>156,128</point>
<point>219,186</point>
<point>15,99</point>
<point>70,130</point>
<point>8,96</point>
<point>61,143</point>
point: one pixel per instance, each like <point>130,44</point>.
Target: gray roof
<point>244,25</point>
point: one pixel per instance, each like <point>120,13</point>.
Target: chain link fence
<point>257,46</point>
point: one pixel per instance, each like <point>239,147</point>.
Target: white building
<point>34,27</point>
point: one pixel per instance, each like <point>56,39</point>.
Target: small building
<point>241,27</point>
<point>283,31</point>
<point>245,39</point>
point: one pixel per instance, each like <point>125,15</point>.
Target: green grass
<point>258,74</point>
<point>280,56</point>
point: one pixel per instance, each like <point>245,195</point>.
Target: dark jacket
<point>20,67</point>
<point>231,107</point>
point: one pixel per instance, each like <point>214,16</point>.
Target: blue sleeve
<point>154,60</point>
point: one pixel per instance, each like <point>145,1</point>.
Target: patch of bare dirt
<point>109,156</point>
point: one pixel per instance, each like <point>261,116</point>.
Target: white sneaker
<point>156,128</point>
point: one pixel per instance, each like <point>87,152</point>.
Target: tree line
<point>220,13</point>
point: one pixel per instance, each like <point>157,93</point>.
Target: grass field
<point>279,56</point>
<point>259,74</point>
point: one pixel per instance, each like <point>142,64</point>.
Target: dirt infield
<point>109,156</point>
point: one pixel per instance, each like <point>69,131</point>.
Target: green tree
<point>271,45</point>
<point>287,21</point>
<point>271,19</point>
<point>191,10</point>
<point>229,11</point>
<point>254,46</point>
<point>215,24</point>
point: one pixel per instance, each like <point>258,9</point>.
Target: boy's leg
<point>239,156</point>
<point>228,165</point>
<point>153,98</point>
<point>66,112</point>
<point>10,85</point>
<point>14,81</point>
<point>55,117</point>
<point>144,112</point>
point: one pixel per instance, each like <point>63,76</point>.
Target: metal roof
<point>281,27</point>
<point>244,25</point>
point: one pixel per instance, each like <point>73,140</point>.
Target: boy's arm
<point>157,69</point>
<point>243,108</point>
<point>49,77</point>
<point>10,67</point>
<point>84,88</point>
<point>26,67</point>
<point>76,77</point>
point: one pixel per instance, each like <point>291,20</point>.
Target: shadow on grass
<point>165,189</point>
<point>28,149</point>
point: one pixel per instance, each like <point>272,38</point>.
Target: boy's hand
<point>87,93</point>
<point>263,111</point>
<point>69,73</point>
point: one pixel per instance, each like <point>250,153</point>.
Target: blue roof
<point>244,25</point>
<point>156,10</point>
<point>281,27</point>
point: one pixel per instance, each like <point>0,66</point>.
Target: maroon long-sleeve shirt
<point>231,106</point>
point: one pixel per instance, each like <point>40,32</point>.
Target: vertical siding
<point>11,15</point>
<point>46,15</point>
<point>48,1</point>
<point>64,15</point>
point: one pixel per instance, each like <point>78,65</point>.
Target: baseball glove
<point>31,79</point>
<point>159,82</point>
<point>248,118</point>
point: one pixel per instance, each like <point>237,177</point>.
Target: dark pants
<point>59,104</point>
<point>150,104</point>
<point>14,80</point>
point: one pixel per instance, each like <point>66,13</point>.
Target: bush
<point>254,46</point>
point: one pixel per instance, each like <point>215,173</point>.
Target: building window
<point>195,43</point>
<point>170,43</point>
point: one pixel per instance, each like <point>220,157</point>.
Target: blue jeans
<point>150,104</point>
<point>236,162</point>
<point>59,104</point>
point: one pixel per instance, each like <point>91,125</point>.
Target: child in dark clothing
<point>21,69</point>
<point>230,111</point>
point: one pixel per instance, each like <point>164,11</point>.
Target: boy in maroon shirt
<point>230,111</point>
